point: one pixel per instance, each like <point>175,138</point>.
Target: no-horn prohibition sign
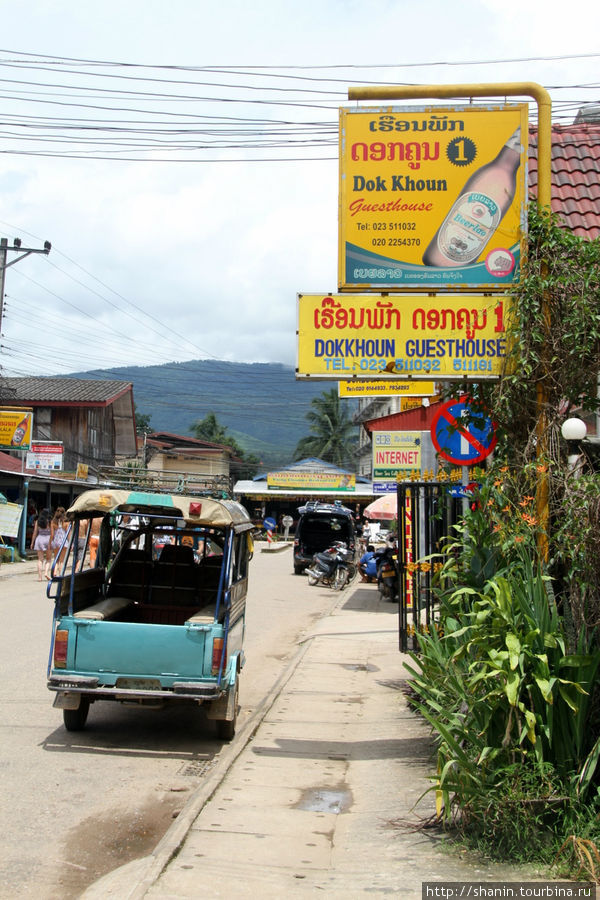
<point>462,435</point>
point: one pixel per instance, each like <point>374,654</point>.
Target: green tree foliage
<point>553,329</point>
<point>332,436</point>
<point>142,421</point>
<point>210,429</point>
<point>508,676</point>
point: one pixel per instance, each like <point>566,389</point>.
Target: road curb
<point>142,874</point>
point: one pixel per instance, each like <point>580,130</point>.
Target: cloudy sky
<point>181,157</point>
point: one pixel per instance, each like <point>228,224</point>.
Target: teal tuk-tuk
<point>159,615</point>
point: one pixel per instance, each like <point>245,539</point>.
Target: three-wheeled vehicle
<point>159,616</point>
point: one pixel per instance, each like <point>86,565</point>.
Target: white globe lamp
<point>573,430</point>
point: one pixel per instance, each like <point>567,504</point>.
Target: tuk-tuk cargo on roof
<point>195,510</point>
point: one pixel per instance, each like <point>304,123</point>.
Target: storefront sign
<point>47,456</point>
<point>10,519</point>
<point>384,388</point>
<point>414,336</point>
<point>395,452</point>
<point>312,481</point>
<point>15,428</point>
<point>432,197</point>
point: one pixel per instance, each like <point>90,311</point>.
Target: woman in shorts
<point>40,542</point>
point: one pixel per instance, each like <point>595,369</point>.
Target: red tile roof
<point>575,176</point>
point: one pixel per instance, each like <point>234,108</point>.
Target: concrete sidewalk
<point>19,567</point>
<point>322,784</point>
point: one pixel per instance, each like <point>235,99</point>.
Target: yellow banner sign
<point>312,481</point>
<point>370,336</point>
<point>382,388</point>
<point>15,428</point>
<point>432,197</point>
<point>410,403</point>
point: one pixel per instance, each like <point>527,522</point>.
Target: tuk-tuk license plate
<point>138,684</point>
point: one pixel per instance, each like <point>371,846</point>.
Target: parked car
<point>319,526</point>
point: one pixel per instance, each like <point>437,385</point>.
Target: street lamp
<point>573,430</point>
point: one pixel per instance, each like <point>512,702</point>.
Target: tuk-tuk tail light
<point>61,643</point>
<point>217,653</point>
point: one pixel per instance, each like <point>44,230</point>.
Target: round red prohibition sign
<point>463,436</point>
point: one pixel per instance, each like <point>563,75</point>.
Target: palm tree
<point>331,427</point>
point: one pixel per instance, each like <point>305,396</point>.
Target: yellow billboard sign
<point>15,428</point>
<point>312,481</point>
<point>384,388</point>
<point>432,197</point>
<point>371,336</point>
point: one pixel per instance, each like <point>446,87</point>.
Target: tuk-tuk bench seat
<point>104,609</point>
<point>87,589</point>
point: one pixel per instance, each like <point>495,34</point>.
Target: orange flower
<point>541,468</point>
<point>496,528</point>
<point>519,539</point>
<point>531,520</point>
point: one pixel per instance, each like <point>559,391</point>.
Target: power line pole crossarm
<point>5,264</point>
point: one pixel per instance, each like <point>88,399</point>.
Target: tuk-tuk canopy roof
<point>195,510</point>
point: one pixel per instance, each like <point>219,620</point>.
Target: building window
<point>94,425</point>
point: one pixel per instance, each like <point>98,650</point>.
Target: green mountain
<point>262,404</point>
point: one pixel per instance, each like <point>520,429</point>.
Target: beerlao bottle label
<point>19,433</point>
<point>478,210</point>
<point>468,227</point>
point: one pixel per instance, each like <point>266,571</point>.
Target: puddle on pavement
<point>360,667</point>
<point>329,800</point>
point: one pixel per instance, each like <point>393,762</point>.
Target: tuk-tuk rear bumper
<point>180,690</point>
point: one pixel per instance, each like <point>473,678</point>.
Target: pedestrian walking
<point>40,542</point>
<point>58,533</point>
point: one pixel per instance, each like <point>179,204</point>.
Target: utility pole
<point>4,264</point>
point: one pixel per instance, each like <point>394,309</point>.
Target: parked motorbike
<point>387,572</point>
<point>334,567</point>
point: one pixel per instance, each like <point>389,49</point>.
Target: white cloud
<point>215,252</point>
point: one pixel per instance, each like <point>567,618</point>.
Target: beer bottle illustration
<point>19,432</point>
<point>478,210</point>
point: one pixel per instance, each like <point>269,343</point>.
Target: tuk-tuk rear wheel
<point>226,727</point>
<point>75,719</point>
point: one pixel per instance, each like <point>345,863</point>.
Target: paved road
<point>76,806</point>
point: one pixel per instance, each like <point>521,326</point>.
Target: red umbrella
<point>385,507</point>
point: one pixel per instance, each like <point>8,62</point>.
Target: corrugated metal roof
<point>10,463</point>
<point>179,441</point>
<point>50,390</point>
<point>575,176</point>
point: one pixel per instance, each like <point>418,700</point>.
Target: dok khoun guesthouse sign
<point>432,222</point>
<point>432,198</point>
<point>448,337</point>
